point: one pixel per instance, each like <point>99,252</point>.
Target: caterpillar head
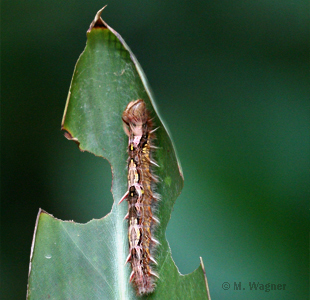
<point>135,116</point>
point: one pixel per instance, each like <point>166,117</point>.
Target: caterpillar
<point>140,196</point>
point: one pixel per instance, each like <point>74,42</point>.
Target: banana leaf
<point>87,261</point>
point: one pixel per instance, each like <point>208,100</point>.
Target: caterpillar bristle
<point>153,240</point>
<point>154,178</point>
<point>153,260</point>
<point>154,274</point>
<point>128,258</point>
<point>152,131</point>
<point>132,274</point>
<point>154,147</point>
<point>156,196</point>
<point>154,163</point>
<point>155,219</point>
<point>124,197</point>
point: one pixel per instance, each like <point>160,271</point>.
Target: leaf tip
<point>33,242</point>
<point>205,276</point>
<point>98,22</point>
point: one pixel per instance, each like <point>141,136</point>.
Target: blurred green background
<point>231,79</point>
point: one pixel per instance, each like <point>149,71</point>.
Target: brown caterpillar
<point>140,196</point>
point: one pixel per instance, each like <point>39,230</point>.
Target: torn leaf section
<point>71,138</point>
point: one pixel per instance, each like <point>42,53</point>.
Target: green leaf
<point>86,261</point>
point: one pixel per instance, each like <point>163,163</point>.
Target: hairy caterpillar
<point>140,196</point>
